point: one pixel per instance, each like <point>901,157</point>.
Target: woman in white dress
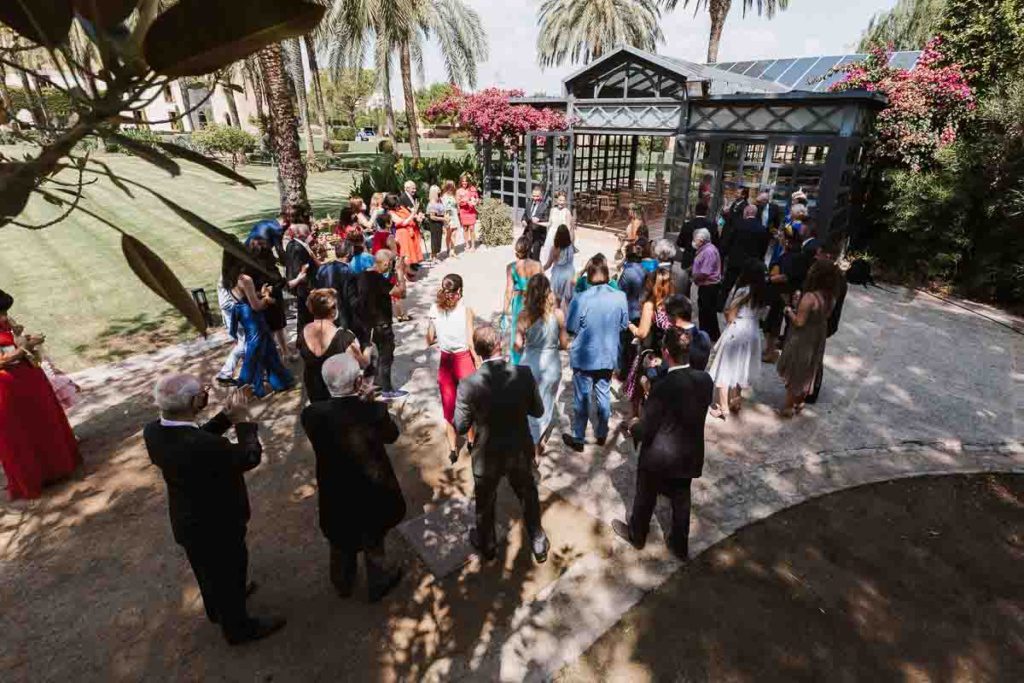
<point>560,214</point>
<point>737,360</point>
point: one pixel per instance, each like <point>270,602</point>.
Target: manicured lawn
<point>71,282</point>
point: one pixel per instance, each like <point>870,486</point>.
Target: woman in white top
<point>561,214</point>
<point>451,328</point>
<point>737,360</point>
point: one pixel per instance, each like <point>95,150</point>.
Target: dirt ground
<point>912,580</point>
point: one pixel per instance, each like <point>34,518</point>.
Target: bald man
<point>207,497</point>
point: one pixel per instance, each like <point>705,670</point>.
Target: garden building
<point>655,133</point>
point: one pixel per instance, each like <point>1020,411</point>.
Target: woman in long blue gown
<point>518,274</point>
<point>261,364</point>
<point>541,335</point>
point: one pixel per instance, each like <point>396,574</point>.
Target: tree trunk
<point>257,94</point>
<point>186,102</point>
<point>389,107</point>
<point>719,10</point>
<point>284,136</point>
<point>410,101</point>
<point>6,101</point>
<point>318,91</point>
<point>302,97</point>
<point>229,95</point>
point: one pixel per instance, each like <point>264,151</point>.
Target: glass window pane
<point>817,71</point>
<point>784,154</point>
<point>777,69</point>
<point>755,153</point>
<point>814,155</point>
<point>758,69</point>
<point>795,72</point>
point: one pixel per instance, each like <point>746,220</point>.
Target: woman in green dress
<point>517,276</point>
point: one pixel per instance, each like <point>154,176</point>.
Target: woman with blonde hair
<point>376,208</point>
<point>451,223</point>
<point>450,326</point>
<point>468,199</point>
<point>435,220</point>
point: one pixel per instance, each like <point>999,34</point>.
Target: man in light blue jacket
<point>596,318</point>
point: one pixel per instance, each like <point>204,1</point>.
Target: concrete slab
<point>441,536</point>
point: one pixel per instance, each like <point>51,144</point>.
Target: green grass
<point>71,282</point>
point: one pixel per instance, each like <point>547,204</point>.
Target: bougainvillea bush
<point>492,119</point>
<point>928,107</point>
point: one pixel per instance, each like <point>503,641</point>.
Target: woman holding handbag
<point>737,360</point>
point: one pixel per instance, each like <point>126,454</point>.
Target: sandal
<point>735,405</point>
<point>715,411</point>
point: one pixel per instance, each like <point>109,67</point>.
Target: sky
<point>808,27</point>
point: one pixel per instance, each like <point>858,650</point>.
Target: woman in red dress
<point>36,442</point>
<point>468,198</point>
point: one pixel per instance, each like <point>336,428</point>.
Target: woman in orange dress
<point>37,445</point>
<point>407,232</point>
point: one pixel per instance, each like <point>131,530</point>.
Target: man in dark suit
<point>680,311</point>
<point>671,436</point>
<point>495,401</point>
<point>408,196</point>
<point>300,270</point>
<point>338,275</point>
<point>749,240</point>
<point>373,316</point>
<point>769,214</point>
<point>359,496</point>
<point>535,221</point>
<point>207,498</point>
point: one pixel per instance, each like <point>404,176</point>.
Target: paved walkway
<point>912,386</point>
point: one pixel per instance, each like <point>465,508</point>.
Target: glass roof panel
<point>796,72</point>
<point>834,78</point>
<point>817,71</point>
<point>759,68</point>
<point>777,69</point>
<point>904,60</point>
<point>740,67</point>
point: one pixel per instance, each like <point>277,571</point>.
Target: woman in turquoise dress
<point>541,335</point>
<point>517,276</point>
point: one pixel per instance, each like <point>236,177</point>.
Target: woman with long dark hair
<point>261,362</point>
<point>540,335</point>
<point>261,245</point>
<point>560,259</point>
<point>738,352</point>
<point>517,275</point>
<point>450,326</point>
<point>654,320</point>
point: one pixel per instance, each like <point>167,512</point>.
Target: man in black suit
<point>373,316</point>
<point>300,270</point>
<point>338,275</point>
<point>495,401</point>
<point>408,196</point>
<point>359,496</point>
<point>748,240</point>
<point>671,436</point>
<point>535,221</point>
<point>769,214</point>
<point>207,498</point>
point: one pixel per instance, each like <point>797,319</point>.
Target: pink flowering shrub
<point>927,106</point>
<point>491,119</point>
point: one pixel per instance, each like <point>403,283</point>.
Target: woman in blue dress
<point>261,363</point>
<point>517,276</point>
<point>540,337</point>
<point>563,275</point>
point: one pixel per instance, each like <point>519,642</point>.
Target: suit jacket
<point>405,200</point>
<point>496,400</point>
<point>371,304</point>
<point>748,240</point>
<point>540,214</point>
<point>339,277</point>
<point>774,216</point>
<point>206,492</point>
<point>297,255</point>
<point>671,431</point>
<point>359,495</point>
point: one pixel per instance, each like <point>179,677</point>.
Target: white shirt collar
<point>678,367</point>
<point>177,423</point>
<point>493,360</point>
<point>804,243</point>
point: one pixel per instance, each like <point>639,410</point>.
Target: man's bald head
<point>175,394</point>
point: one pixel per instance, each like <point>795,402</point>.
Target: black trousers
<point>648,487</point>
<point>384,337</point>
<point>343,566</point>
<point>818,378</point>
<point>627,351</point>
<point>302,315</point>
<point>220,563</point>
<point>537,235</point>
<point>707,310</point>
<point>485,489</point>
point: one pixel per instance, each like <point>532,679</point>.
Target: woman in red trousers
<point>36,442</point>
<point>451,328</point>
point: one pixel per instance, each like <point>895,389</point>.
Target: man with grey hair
<point>360,500</point>
<point>207,497</point>
<point>707,275</point>
<point>374,316</point>
<point>665,253</point>
<point>300,270</point>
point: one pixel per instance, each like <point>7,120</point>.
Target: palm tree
<point>583,30</point>
<point>719,10</point>
<point>292,51</point>
<point>284,136</point>
<point>403,26</point>
<point>318,92</point>
<point>226,82</point>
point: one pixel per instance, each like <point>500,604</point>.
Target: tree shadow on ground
<point>130,336</point>
<point>907,580</point>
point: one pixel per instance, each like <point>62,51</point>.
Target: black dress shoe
<point>540,547</point>
<point>622,531</point>
<point>453,456</point>
<point>602,440</point>
<point>376,593</point>
<point>251,588</point>
<point>258,628</point>
<point>572,443</point>
<point>227,382</point>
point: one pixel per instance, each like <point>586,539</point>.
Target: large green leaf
<point>205,161</point>
<point>105,13</point>
<point>17,179</point>
<point>147,152</point>
<point>196,37</point>
<point>46,22</point>
<point>156,275</point>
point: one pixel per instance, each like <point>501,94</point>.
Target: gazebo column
<point>679,187</point>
